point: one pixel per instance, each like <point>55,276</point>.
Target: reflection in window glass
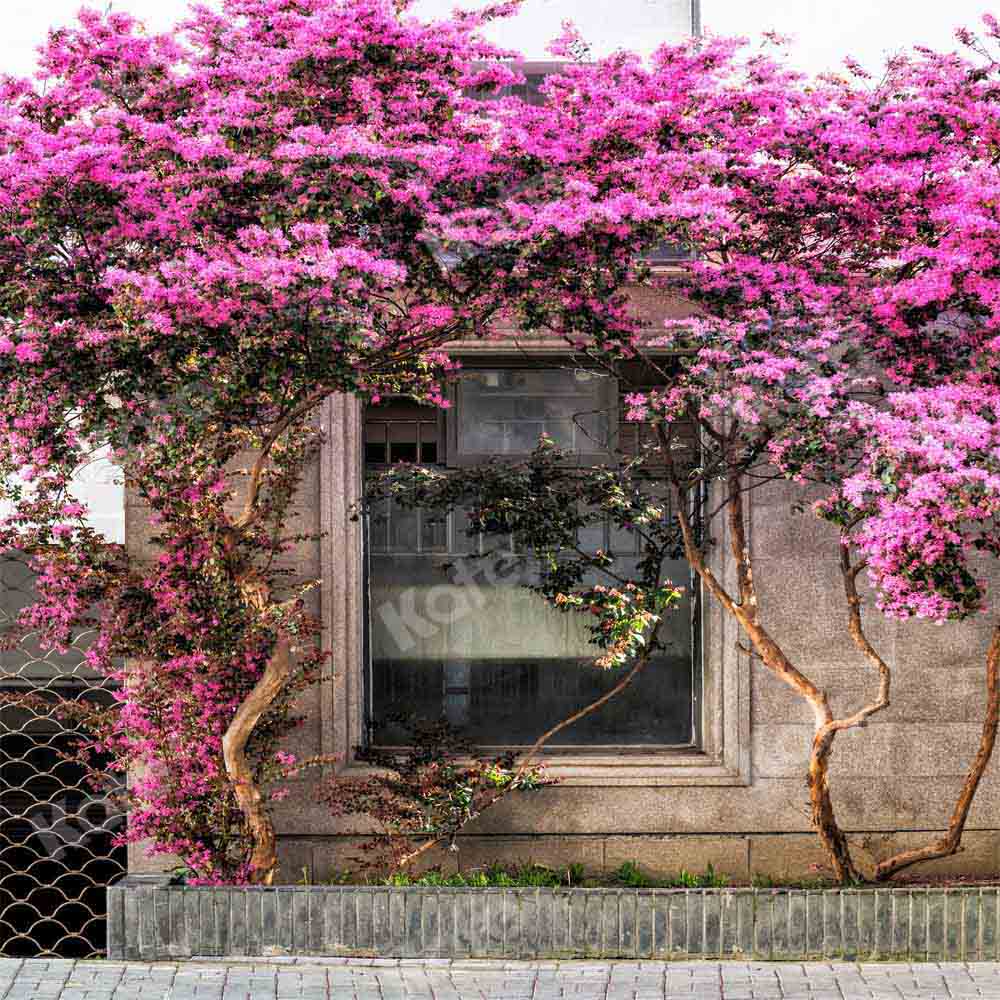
<point>506,412</point>
<point>464,638</point>
<point>456,633</point>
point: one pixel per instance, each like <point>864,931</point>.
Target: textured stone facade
<point>739,803</point>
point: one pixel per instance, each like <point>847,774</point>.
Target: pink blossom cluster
<point>206,232</point>
<point>923,507</point>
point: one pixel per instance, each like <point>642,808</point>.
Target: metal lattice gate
<point>57,854</point>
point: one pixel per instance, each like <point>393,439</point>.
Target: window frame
<point>609,400</point>
<point>448,420</point>
<point>724,756</point>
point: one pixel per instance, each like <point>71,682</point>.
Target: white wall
<point>639,25</point>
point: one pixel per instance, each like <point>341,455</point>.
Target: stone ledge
<point>153,920</point>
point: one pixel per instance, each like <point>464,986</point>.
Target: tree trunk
<point>951,842</point>
<point>745,609</point>
<point>257,593</point>
<point>823,816</point>
<point>263,859</point>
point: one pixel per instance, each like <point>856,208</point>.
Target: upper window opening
<point>506,412</point>
<point>667,253</point>
<point>530,90</point>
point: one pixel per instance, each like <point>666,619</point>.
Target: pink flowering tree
<point>919,511</point>
<point>920,515</point>
<point>845,245</point>
<point>202,235</point>
<point>845,336</point>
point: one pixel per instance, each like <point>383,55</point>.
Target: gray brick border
<point>150,919</point>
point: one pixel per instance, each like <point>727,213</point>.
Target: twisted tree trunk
<point>743,606</point>
<point>257,594</point>
<point>264,858</point>
<point>951,842</point>
<point>824,818</point>
<point>823,814</point>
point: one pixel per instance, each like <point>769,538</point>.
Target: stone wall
<point>894,782</point>
<point>157,922</point>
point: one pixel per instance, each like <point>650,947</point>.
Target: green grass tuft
<point>628,875</point>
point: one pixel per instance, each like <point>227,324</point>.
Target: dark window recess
<point>401,432</point>
<point>457,635</point>
<point>668,253</point>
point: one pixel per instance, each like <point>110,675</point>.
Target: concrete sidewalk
<point>380,979</point>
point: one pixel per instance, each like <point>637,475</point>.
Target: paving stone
<point>302,978</point>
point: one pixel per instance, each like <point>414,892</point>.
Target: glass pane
<point>433,531</point>
<point>591,536</point>
<point>378,527</point>
<point>622,542</point>
<point>404,529</point>
<point>592,431</point>
<point>376,452</point>
<point>428,443</point>
<point>523,436</point>
<point>403,441</point>
<point>506,412</point>
<point>462,543</point>
<point>464,639</point>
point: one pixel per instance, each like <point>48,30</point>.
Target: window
<point>452,633</point>
<point>534,74</point>
<point>668,254</point>
<point>505,412</point>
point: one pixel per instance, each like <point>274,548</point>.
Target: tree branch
<point>250,509</point>
<point>951,842</point>
<point>543,740</point>
<point>849,574</point>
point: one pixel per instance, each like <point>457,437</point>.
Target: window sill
<point>668,768</point>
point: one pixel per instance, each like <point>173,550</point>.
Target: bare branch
<point>951,842</point>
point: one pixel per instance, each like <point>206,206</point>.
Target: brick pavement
<point>414,979</point>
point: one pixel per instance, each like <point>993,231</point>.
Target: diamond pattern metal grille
<point>56,835</point>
